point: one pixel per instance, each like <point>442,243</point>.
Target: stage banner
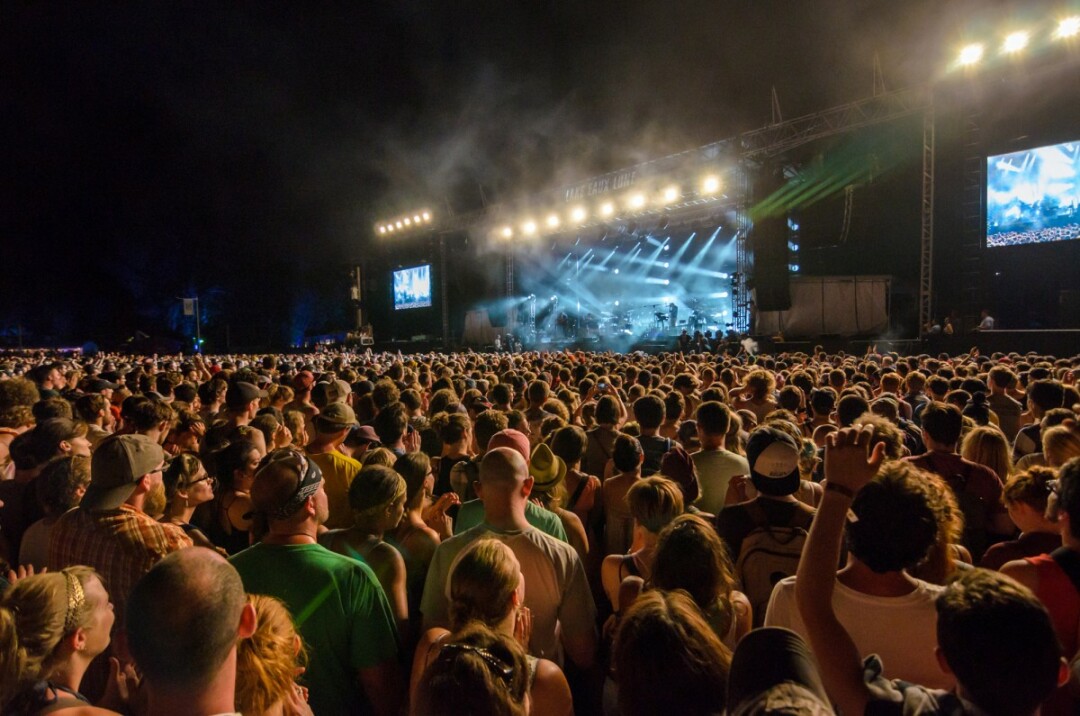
<point>830,306</point>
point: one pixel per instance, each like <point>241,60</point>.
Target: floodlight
<point>671,194</point>
<point>636,201</point>
<point>607,209</point>
<point>616,270</point>
<point>553,221</point>
<point>1015,42</point>
<point>390,228</point>
<point>382,229</point>
<point>399,224</point>
<point>710,185</point>
<point>578,214</point>
<point>528,228</point>
<point>407,222</point>
<point>1068,27</point>
<point>427,216</point>
<point>416,219</point>
<point>971,54</point>
<point>507,232</point>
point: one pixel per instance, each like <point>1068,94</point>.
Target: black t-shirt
<point>654,448</point>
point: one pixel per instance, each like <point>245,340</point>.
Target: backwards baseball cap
<point>338,415</point>
<point>328,392</point>
<point>773,672</point>
<point>547,468</point>
<point>267,494</point>
<point>774,461</point>
<point>118,463</point>
<point>303,380</point>
<point>514,439</point>
<point>96,385</point>
<point>240,394</point>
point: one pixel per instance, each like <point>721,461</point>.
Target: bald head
<point>503,469</point>
<point>183,618</point>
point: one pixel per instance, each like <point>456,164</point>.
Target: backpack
<point>768,554</point>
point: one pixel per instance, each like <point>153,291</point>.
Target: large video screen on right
<point>1033,197</point>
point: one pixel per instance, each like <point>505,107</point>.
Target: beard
<point>155,501</point>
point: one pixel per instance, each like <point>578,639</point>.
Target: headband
<point>76,599</point>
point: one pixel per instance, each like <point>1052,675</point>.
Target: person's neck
<point>1070,541</point>
<point>182,516</point>
<point>506,518</point>
<point>69,673</point>
<point>455,449</point>
<point>861,578</point>
<point>323,444</point>
<point>649,432</point>
<point>306,532</point>
<point>934,446</point>
<point>217,697</point>
<point>136,502</point>
<point>713,442</point>
<point>368,530</point>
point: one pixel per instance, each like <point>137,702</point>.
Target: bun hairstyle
<point>478,671</point>
<point>36,613</point>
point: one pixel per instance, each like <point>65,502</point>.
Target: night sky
<point>243,151</point>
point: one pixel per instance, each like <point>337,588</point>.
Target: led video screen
<point>1033,197</point>
<point>412,287</point>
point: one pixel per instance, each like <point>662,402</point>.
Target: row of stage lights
<point>404,224</point>
<point>1017,41</point>
<point>632,203</point>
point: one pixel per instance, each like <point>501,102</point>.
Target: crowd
<point>540,533</point>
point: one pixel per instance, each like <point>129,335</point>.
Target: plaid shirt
<point>121,544</point>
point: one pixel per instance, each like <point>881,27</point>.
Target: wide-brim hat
<point>547,468</point>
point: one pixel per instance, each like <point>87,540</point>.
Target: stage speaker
<point>769,241</point>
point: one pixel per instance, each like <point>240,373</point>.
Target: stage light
<point>666,247</point>
<point>667,281</point>
<point>554,298</point>
<point>794,268</point>
<point>1015,42</point>
<point>665,264</point>
<point>616,270</point>
<point>671,194</point>
<point>407,222</point>
<point>710,185</point>
<point>553,221</point>
<point>427,216</point>
<point>607,209</point>
<point>416,219</point>
<point>528,228</point>
<point>578,214</point>
<point>971,54</point>
<point>1069,27</point>
<point>636,201</point>
<point>390,228</point>
<point>616,303</point>
<point>792,246</point>
<point>507,232</point>
<point>399,224</point>
<point>382,229</point>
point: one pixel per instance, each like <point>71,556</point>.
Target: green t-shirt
<point>471,513</point>
<point>339,609</point>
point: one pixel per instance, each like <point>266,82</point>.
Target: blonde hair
<point>988,446</point>
<point>654,502</point>
<point>267,661</point>
<point>379,456</point>
<point>482,580</point>
<point>1060,444</point>
<point>36,613</point>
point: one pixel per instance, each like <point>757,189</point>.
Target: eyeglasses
<point>205,478</point>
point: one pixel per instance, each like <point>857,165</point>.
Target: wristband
<point>843,490</point>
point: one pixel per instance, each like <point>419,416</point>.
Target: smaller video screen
<point>412,287</point>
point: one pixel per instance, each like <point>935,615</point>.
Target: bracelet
<point>842,489</point>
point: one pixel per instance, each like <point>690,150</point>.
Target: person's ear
<point>942,662</point>
<point>527,486</point>
<point>249,622</point>
<point>77,639</point>
<point>1063,672</point>
<point>65,446</point>
<point>143,484</point>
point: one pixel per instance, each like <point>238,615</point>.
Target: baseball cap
<point>774,461</point>
<point>269,499</point>
<point>511,438</point>
<point>240,394</point>
<point>338,415</point>
<point>303,380</point>
<point>547,468</point>
<point>117,464</point>
<point>96,385</point>
<point>327,392</point>
<point>773,672</point>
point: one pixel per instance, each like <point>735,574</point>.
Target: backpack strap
<point>1069,561</point>
<point>577,493</point>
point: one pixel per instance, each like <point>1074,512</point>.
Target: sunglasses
<point>495,665</point>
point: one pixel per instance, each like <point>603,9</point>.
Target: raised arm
<point>848,466</point>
